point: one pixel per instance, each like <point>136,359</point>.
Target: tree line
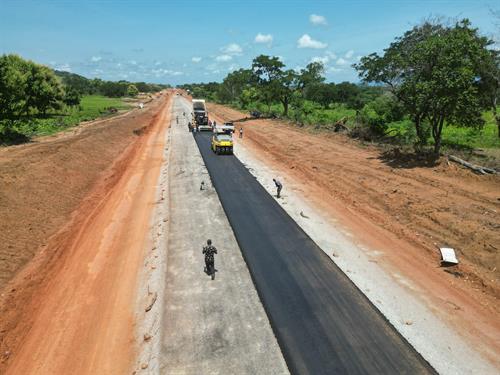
<point>30,89</point>
<point>112,89</point>
<point>434,75</point>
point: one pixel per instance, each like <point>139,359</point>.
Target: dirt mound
<point>428,206</point>
<point>48,190</point>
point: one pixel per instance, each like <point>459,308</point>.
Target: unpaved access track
<point>70,310</point>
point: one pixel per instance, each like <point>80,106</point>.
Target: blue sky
<point>199,41</point>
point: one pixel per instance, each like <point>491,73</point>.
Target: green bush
<point>378,113</point>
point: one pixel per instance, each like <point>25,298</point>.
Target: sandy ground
<point>209,327</point>
<point>319,171</point>
<point>71,309</point>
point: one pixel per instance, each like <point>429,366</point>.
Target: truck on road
<point>200,115</point>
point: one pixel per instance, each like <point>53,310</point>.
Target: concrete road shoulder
<point>210,327</point>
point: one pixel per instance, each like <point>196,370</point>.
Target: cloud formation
<point>264,38</point>
<point>223,58</point>
<point>349,54</point>
<point>317,20</point>
<point>232,49</point>
<point>196,59</point>
<point>321,59</point>
<point>96,58</point>
<point>341,61</point>
<point>305,41</point>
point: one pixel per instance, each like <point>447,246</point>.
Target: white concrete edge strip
<point>438,343</point>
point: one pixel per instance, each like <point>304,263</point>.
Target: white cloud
<point>165,72</point>
<point>213,68</point>
<point>321,59</point>
<point>334,70</point>
<point>349,54</point>
<point>196,59</point>
<point>331,55</point>
<point>232,49</point>
<point>341,61</point>
<point>158,63</point>
<point>133,62</point>
<point>317,20</point>
<point>96,58</point>
<point>264,38</point>
<point>305,41</point>
<point>222,58</point>
<point>63,67</point>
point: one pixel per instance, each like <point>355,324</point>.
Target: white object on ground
<point>448,255</point>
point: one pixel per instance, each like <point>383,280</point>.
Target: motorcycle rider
<point>209,251</point>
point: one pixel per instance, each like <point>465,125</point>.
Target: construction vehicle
<point>226,128</point>
<point>222,143</point>
<point>200,115</point>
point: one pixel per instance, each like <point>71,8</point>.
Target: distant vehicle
<point>222,144</point>
<point>255,114</point>
<point>226,128</point>
<point>200,114</point>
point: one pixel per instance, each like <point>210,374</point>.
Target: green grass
<point>455,137</point>
<point>91,107</point>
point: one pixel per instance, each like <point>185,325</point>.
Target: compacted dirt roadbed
<point>70,310</point>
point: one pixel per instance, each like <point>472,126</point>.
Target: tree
<point>43,89</point>
<point>233,85</point>
<point>113,89</point>
<point>132,91</point>
<point>434,71</point>
<point>313,74</point>
<point>13,73</point>
<point>274,83</point>
<point>490,84</point>
<point>72,97</point>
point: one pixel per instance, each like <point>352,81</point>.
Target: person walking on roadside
<point>279,186</point>
<point>241,132</point>
<point>209,251</point>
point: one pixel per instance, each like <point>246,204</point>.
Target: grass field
<point>456,137</point>
<point>90,108</point>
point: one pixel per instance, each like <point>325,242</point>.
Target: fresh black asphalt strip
<point>323,323</point>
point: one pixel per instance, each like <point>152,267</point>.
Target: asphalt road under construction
<point>323,323</point>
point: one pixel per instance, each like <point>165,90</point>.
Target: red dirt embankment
<point>85,196</point>
<point>427,207</point>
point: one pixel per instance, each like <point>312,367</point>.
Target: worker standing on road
<point>241,132</point>
<point>209,252</point>
<point>279,186</point>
